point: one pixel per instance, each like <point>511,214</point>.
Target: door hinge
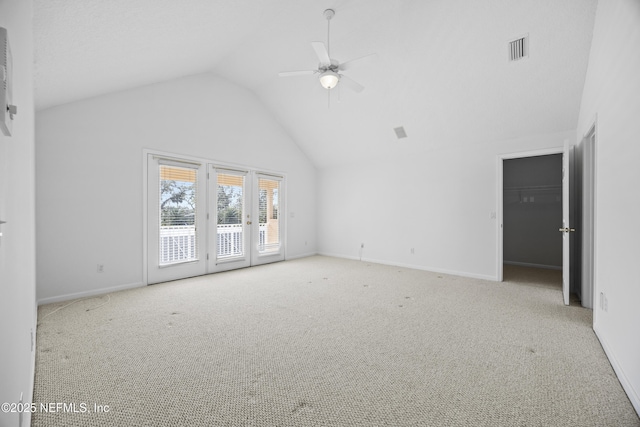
<point>207,257</point>
<point>207,216</point>
<point>207,175</point>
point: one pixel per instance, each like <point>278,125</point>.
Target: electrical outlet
<point>413,251</point>
<point>604,302</point>
<point>601,300</point>
<point>100,268</point>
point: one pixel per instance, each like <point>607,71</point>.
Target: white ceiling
<point>441,69</point>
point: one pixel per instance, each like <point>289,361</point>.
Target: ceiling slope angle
<point>442,69</point>
<point>85,48</point>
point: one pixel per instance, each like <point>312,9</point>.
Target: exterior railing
<point>178,243</point>
<point>230,240</point>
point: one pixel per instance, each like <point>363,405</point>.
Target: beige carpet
<point>328,342</point>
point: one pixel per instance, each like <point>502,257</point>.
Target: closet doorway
<point>535,219</point>
<point>532,211</point>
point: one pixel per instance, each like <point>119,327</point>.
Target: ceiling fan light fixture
<point>329,79</point>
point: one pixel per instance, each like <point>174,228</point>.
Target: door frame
<point>206,162</point>
<point>589,216</point>
<point>500,199</point>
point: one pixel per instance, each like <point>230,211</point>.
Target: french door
<point>229,219</point>
<point>204,219</point>
<point>176,225</point>
<point>268,230</point>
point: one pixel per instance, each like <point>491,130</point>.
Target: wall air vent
<point>519,48</point>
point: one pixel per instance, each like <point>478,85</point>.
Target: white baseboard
<point>528,264</point>
<point>339,256</point>
<point>633,394</point>
<point>415,267</point>
<point>305,255</point>
<point>90,293</point>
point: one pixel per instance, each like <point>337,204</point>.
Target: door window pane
<point>177,210</point>
<point>230,229</point>
<point>268,215</point>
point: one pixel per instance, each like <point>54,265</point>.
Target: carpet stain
<point>174,313</point>
<point>302,406</point>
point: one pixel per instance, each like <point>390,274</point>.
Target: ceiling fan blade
<point>296,73</point>
<point>321,51</point>
<point>349,64</point>
<point>351,84</point>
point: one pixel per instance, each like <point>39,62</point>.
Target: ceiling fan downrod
<point>328,14</point>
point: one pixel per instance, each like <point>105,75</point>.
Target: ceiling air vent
<point>400,132</point>
<point>519,48</point>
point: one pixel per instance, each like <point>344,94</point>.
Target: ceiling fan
<point>329,69</point>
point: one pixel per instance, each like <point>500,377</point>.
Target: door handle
<point>248,222</point>
<point>566,229</point>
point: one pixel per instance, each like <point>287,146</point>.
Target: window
<point>177,209</point>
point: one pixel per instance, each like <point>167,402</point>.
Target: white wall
<point>438,202</point>
<point>612,93</point>
<point>89,174</point>
<point>17,207</point>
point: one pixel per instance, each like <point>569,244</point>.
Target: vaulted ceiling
<point>441,69</point>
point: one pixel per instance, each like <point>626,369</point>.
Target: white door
<point>176,206</point>
<point>566,230</point>
<point>588,219</point>
<point>268,224</point>
<point>229,219</point>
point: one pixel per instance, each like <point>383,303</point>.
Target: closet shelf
<point>535,188</point>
